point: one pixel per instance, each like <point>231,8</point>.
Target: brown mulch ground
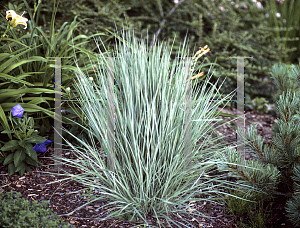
<point>64,198</point>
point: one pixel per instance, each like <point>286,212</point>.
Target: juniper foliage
<point>278,161</point>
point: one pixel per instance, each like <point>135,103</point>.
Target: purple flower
<point>17,111</point>
<point>47,141</point>
<point>41,147</point>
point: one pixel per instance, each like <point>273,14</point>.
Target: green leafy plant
<point>27,73</point>
<point>88,193</point>
<point>71,112</point>
<point>258,218</point>
<point>2,155</point>
<point>237,206</point>
<point>155,166</point>
<point>18,212</point>
<point>22,151</point>
<point>259,104</point>
<point>240,207</point>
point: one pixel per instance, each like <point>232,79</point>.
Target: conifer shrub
<point>18,212</point>
<point>275,170</point>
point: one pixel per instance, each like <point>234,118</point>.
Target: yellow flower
<point>197,76</point>
<point>200,54</point>
<point>16,19</point>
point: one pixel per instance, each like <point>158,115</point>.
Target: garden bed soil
<point>65,197</point>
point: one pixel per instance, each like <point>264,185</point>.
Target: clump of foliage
<point>18,212</point>
<point>278,161</point>
<point>154,164</point>
<point>246,209</point>
<point>27,72</point>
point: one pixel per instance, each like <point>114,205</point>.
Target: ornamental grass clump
<point>156,167</point>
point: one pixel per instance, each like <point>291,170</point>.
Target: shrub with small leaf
<point>18,213</point>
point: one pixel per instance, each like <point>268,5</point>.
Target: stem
<point>8,185</point>
<point>14,129</point>
<point>7,28</point>
<point>289,194</point>
<point>163,22</point>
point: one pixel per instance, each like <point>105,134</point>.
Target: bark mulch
<point>66,196</point>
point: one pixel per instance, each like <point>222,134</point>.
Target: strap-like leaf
<point>4,122</point>
<point>14,56</point>
<point>21,62</point>
<point>14,79</point>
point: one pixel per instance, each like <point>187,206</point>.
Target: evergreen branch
<point>243,174</point>
<point>287,113</point>
<point>296,159</point>
<point>288,195</point>
<point>256,146</point>
<point>163,22</point>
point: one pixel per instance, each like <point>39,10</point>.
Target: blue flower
<point>41,147</point>
<point>47,142</point>
<point>17,111</point>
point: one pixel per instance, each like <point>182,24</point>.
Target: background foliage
<point>235,31</point>
<point>229,28</point>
